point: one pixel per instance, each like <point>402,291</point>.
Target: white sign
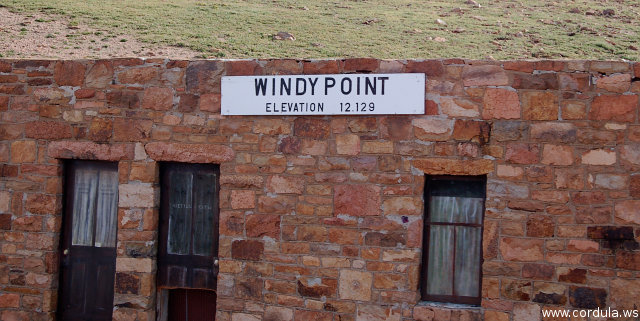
<point>352,94</point>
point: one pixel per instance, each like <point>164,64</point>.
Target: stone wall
<point>559,142</point>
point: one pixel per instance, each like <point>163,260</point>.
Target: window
<point>452,261</point>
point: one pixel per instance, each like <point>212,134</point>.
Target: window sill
<point>452,306</point>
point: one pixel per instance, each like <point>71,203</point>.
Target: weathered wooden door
<point>191,305</point>
<point>188,251</point>
<point>89,241</point>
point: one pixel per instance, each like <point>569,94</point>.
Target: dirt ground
<point>44,36</point>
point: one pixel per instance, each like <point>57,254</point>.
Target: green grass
<point>398,28</point>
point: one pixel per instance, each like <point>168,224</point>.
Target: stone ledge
<point>90,151</point>
<point>444,166</point>
<point>189,153</point>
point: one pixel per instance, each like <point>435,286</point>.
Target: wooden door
<point>191,305</point>
<point>188,252</point>
<point>88,257</point>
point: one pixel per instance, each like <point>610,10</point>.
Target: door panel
<point>188,226</point>
<point>191,305</point>
<point>88,241</point>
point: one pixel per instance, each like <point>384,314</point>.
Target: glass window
<point>192,208</point>
<point>95,205</point>
<point>452,262</point>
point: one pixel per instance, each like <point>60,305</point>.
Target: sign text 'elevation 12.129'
<point>352,94</point>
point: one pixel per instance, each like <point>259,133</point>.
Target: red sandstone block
<point>271,127</point>
<point>100,75</point>
<point>143,75</point>
<point>5,222</point>
<point>431,108</point>
<point>87,104</point>
<point>614,107</point>
<point>157,98</point>
<point>522,66</point>
<point>453,61</point>
<point>131,130</point>
<point>609,67</point>
<point>85,93</point>
<point>357,200</point>
<point>9,300</point>
<point>23,151</point>
<point>39,73</point>
<point>12,89</point>
<point>551,196</point>
<point>521,249</point>
<point>519,153</point>
<point>550,65</point>
<point>618,83</point>
<point>595,197</point>
<point>5,66</point>
<point>285,184</point>
<point>4,103</point>
<point>46,170</point>
<point>7,79</point>
<point>177,64</point>
<point>345,236</point>
<point>69,73</point>
<point>321,67</point>
<point>538,81</point>
<point>628,260</point>
<point>484,75</point>
<point>90,150</point>
<point>33,64</point>
<point>47,130</point>
<point>242,199</point>
<point>557,155</point>
<point>263,225</point>
<point>432,68</point>
<point>311,128</point>
<point>500,103</point>
<point>540,105</point>
<point>396,128</point>
<point>127,62</point>
<point>100,130</point>
<point>243,68</point>
<point>283,67</point>
<point>361,65</point>
<point>210,103</point>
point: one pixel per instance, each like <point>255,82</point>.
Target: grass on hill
<point>524,29</point>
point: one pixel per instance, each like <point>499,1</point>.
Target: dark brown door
<point>191,305</point>
<point>89,241</point>
<point>187,256</point>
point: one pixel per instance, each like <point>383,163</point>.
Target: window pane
<point>448,209</point>
<point>84,200</point>
<point>203,214</point>
<point>468,242</point>
<point>180,204</point>
<point>442,209</point>
<point>440,260</point>
<point>107,215</point>
<point>469,210</point>
<point>457,188</point>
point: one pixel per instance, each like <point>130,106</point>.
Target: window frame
<point>470,300</point>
